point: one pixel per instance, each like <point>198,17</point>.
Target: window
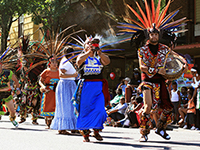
<point>197,11</point>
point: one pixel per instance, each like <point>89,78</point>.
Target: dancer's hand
<point>162,71</point>
<point>44,90</point>
<point>144,68</point>
<point>75,74</point>
<point>99,52</point>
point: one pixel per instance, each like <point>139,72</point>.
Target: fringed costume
<point>5,77</point>
<point>8,61</point>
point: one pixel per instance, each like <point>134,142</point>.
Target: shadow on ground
<point>134,145</point>
<point>23,129</point>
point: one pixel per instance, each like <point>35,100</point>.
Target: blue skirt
<point>64,118</point>
<point>92,113</point>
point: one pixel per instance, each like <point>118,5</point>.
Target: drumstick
<point>166,59</point>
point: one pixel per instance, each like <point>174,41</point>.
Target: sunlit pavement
<point>36,137</point>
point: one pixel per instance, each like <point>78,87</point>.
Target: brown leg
<point>162,124</point>
<point>144,125</point>
<point>97,135</point>
<point>85,134</point>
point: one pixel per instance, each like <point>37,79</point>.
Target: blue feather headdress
<point>152,19</point>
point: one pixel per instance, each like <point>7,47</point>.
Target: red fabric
<point>164,94</point>
<point>105,89</point>
<point>95,45</point>
<point>138,118</point>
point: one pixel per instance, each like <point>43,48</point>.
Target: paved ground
<point>36,137</point>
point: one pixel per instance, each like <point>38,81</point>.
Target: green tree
<point>10,11</point>
<point>51,14</point>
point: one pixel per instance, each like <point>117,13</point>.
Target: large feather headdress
<point>53,46</point>
<point>9,58</point>
<point>152,19</point>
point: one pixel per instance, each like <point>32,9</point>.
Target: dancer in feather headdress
<point>152,26</point>
<point>49,52</point>
<point>6,76</point>
<point>92,89</point>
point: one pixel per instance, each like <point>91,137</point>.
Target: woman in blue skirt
<point>91,88</point>
<point>64,114</point>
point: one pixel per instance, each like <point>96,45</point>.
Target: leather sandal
<point>22,120</point>
<point>143,138</point>
<point>86,138</point>
<point>98,136</point>
<point>163,134</point>
<point>63,132</point>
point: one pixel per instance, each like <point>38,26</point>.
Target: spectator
<point>196,79</point>
<point>131,88</point>
<point>183,107</point>
<point>175,99</point>
<point>116,99</point>
<point>117,113</point>
<point>134,110</point>
<point>132,113</point>
<point>190,111</point>
<point>130,91</point>
<point>136,77</point>
<point>124,84</point>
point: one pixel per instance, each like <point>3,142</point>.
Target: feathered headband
<point>96,42</point>
<point>152,19</point>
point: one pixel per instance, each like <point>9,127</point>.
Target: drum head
<point>174,67</point>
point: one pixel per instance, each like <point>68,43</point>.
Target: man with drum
<point>151,61</point>
<point>153,57</point>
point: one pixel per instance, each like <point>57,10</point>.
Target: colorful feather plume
<point>79,46</point>
<point>52,45</point>
<point>9,58</point>
<point>152,17</point>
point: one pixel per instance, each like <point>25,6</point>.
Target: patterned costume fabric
<point>153,62</point>
<point>31,94</point>
<point>152,80</point>
<point>92,66</point>
<point>48,102</point>
<point>52,83</point>
<point>5,77</point>
<point>77,97</point>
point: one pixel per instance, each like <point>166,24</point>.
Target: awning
<point>191,49</point>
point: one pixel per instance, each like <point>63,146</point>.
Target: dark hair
<point>139,99</point>
<point>120,91</point>
<point>122,98</point>
<point>68,50</point>
<point>174,83</point>
<point>184,87</point>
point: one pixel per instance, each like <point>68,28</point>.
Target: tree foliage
<point>10,10</point>
<point>50,13</point>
